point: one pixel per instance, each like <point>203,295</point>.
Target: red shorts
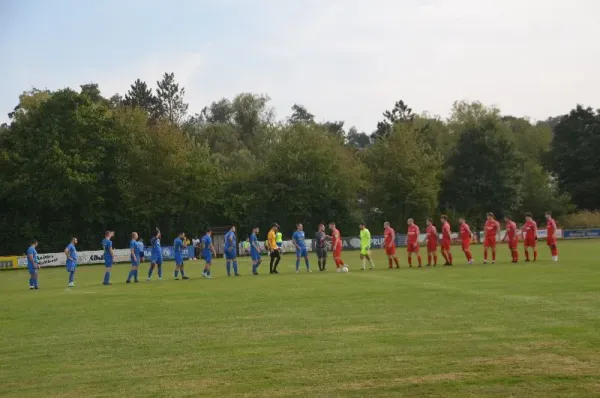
<point>412,248</point>
<point>337,252</point>
<point>390,251</point>
<point>431,247</point>
<point>530,242</point>
<point>551,241</point>
<point>513,243</point>
<point>490,241</point>
<point>446,244</point>
<point>466,245</point>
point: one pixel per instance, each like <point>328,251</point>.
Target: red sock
<point>445,256</point>
<point>409,260</point>
<point>396,261</point>
<point>485,255</point>
<point>527,255</point>
<point>470,255</point>
<point>450,258</point>
<point>390,262</point>
<point>435,260</point>
<point>554,251</point>
<point>420,261</point>
<point>493,256</point>
<point>429,259</point>
<point>534,255</point>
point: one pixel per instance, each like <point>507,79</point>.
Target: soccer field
<point>470,330</point>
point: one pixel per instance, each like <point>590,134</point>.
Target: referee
<point>273,249</point>
<point>321,247</point>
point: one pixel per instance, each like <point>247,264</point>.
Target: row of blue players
<point>137,253</point>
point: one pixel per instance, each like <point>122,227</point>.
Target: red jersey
<point>446,233</point>
<point>465,232</point>
<point>491,228</point>
<point>336,238</point>
<point>389,237</point>
<point>413,234</point>
<point>530,229</point>
<point>432,235</point>
<point>551,228</point>
<point>511,230</point>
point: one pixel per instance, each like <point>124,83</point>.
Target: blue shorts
<point>32,271</point>
<point>108,263</point>
<point>230,254</point>
<point>178,259</point>
<point>207,258</point>
<point>71,267</point>
<point>157,260</point>
<point>301,252</point>
<point>135,263</point>
<point>141,255</point>
<point>255,256</point>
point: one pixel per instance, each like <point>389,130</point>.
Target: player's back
<point>206,243</point>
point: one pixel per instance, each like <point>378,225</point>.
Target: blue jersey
<point>156,250</point>
<point>230,240</point>
<point>72,254</point>
<point>298,239</point>
<point>133,246</point>
<point>178,246</point>
<point>253,243</point>
<point>140,247</point>
<point>31,252</point>
<point>106,246</point>
<point>206,243</point>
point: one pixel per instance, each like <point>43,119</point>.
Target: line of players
<point>492,227</point>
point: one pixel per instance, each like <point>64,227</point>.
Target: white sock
<point>372,263</point>
<point>364,261</point>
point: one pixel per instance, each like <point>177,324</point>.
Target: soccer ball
<point>344,269</point>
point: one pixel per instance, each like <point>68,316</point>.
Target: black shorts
<point>321,252</point>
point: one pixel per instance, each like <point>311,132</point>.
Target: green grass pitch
<point>472,330</point>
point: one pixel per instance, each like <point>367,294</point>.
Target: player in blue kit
<point>71,253</point>
<point>135,258</point>
<point>208,250</point>
<point>156,259</point>
<point>178,245</point>
<point>33,265</point>
<point>109,256</point>
<point>298,239</point>
<point>140,247</point>
<point>231,251</point>
<point>255,251</point>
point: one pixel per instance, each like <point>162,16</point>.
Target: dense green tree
<point>400,113</point>
<point>485,171</point>
<point>540,193</point>
<point>356,139</point>
<point>170,102</point>
<point>301,115</point>
<point>575,156</point>
<point>141,96</point>
<point>405,176</point>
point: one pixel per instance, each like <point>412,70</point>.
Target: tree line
<point>74,163</point>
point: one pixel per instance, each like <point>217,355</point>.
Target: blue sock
<point>208,272</point>
<point>182,274</point>
<point>160,271</point>
<point>106,277</point>
<point>30,281</point>
<point>307,263</point>
<point>176,273</point>
<point>235,267</point>
<point>130,275</point>
<point>228,267</point>
<point>150,272</point>
<point>35,282</point>
<point>254,266</point>
<point>71,276</point>
<point>297,264</point>
<point>135,274</point>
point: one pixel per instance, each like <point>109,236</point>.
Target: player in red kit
<point>389,242</point>
<point>530,232</point>
<point>513,238</point>
<point>432,242</point>
<point>336,247</point>
<point>412,242</point>
<point>446,240</point>
<point>466,237</point>
<point>491,232</point>
<point>551,235</point>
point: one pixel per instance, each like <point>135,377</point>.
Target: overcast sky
<point>344,60</point>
